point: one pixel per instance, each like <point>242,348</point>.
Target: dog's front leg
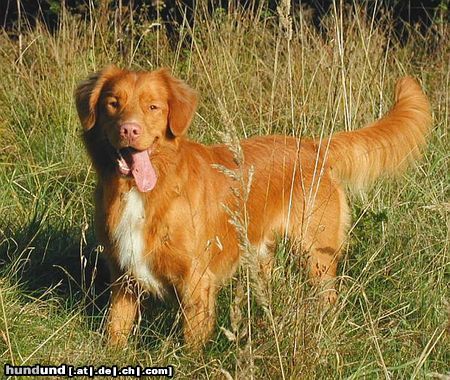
<point>198,303</point>
<point>122,312</point>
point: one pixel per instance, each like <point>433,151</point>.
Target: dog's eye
<point>152,107</point>
<point>113,104</point>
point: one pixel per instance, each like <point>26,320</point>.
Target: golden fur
<point>189,244</point>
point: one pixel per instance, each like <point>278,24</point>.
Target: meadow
<point>257,73</point>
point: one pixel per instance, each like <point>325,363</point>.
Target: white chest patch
<point>130,243</point>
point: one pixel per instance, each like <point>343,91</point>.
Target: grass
<point>255,76</point>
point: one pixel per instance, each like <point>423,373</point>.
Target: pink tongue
<point>143,171</point>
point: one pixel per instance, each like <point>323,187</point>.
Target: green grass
<point>392,316</point>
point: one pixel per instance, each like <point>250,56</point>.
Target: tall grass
<point>257,73</point>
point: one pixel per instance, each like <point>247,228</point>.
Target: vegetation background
<point>258,72</point>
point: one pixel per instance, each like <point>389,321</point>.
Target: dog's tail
<point>385,146</point>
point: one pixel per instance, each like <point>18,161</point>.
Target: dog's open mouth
<point>135,163</point>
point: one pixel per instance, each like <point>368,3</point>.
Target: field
<point>257,73</point>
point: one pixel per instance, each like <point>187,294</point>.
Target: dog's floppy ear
<point>182,103</point>
<point>88,93</point>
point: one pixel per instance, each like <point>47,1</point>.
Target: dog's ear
<point>88,93</point>
<point>182,103</point>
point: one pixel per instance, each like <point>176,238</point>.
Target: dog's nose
<point>130,131</point>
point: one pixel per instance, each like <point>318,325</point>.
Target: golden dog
<point>159,199</point>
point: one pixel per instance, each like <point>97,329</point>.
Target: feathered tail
<point>387,145</point>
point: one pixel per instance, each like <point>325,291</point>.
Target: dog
<point>159,201</point>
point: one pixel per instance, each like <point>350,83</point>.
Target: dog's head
<point>130,113</point>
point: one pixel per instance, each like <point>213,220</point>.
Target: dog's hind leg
<point>322,263</point>
<point>322,236</point>
<point>327,240</point>
<point>265,251</point>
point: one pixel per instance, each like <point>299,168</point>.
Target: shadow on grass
<point>48,261</point>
